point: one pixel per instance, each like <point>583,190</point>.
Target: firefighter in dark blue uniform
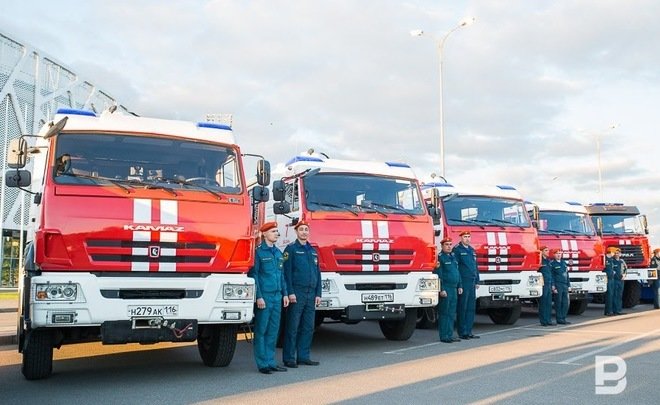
<point>545,302</point>
<point>271,294</point>
<point>655,285</point>
<point>620,269</point>
<point>561,283</point>
<point>303,280</point>
<point>450,289</point>
<point>466,257</point>
<point>609,271</point>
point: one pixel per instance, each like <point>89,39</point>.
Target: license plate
<point>153,310</point>
<point>653,274</point>
<point>500,289</point>
<point>576,286</point>
<point>382,297</point>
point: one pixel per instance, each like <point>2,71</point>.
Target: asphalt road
<point>525,363</point>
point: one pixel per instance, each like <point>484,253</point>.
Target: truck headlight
<point>427,284</point>
<point>56,292</point>
<point>328,286</point>
<point>601,278</point>
<point>238,292</point>
<point>534,281</point>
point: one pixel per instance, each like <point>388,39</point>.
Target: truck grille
<point>632,255</point>
<point>511,261</point>
<point>399,257</point>
<point>122,251</point>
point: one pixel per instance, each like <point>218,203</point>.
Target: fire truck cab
<point>141,231</point>
<point>568,226</point>
<point>625,228</point>
<point>373,235</point>
<point>505,241</point>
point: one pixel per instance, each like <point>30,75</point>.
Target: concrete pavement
<point>8,308</point>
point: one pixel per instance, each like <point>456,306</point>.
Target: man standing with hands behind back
<point>466,257</point>
<point>303,281</point>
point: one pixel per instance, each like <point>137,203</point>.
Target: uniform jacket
<point>447,271</point>
<point>267,271</point>
<point>301,268</point>
<point>466,257</point>
<point>560,273</point>
<point>655,262</point>
<point>546,271</point>
<point>619,268</point>
<point>609,270</point>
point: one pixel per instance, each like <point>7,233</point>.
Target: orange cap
<point>300,223</point>
<point>542,248</point>
<point>464,233</point>
<point>268,226</point>
<point>555,251</point>
<point>445,240</point>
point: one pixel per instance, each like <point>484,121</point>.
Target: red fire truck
<point>141,232</point>
<point>568,226</point>
<point>373,234</point>
<point>625,228</point>
<point>506,243</point>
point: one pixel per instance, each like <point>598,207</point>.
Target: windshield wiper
<point>394,208</point>
<point>152,186</point>
<point>463,221</point>
<point>501,221</point>
<point>344,206</point>
<point>185,182</point>
<point>108,179</point>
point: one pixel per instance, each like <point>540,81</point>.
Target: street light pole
<point>441,45</point>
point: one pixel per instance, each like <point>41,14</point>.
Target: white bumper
<point>341,290</point>
<point>588,282</point>
<point>500,285</point>
<point>642,274</point>
<point>92,307</point>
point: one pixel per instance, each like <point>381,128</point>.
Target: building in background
<point>33,86</point>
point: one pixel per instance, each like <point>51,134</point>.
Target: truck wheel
<point>216,344</point>
<point>38,355</point>
<point>427,318</point>
<point>505,316</point>
<point>402,329</point>
<point>577,307</point>
<point>632,291</point>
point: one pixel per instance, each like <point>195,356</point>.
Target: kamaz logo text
<point>370,240</point>
<point>154,228</point>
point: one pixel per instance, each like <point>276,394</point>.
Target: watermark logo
<point>616,372</point>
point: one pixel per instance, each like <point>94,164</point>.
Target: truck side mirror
<point>599,226</point>
<point>278,190</point>
<point>281,208</point>
<point>260,193</point>
<point>18,178</point>
<point>17,153</point>
<point>434,212</point>
<point>645,224</point>
<point>263,172</point>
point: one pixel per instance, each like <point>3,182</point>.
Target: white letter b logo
<point>618,375</point>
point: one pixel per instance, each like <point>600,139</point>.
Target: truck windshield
<point>485,211</point>
<point>362,192</point>
<point>561,222</point>
<point>622,224</point>
<point>125,160</point>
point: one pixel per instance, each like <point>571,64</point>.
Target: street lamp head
<point>416,33</point>
<point>467,21</point>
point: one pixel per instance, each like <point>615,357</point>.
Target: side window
<point>227,174</point>
<point>291,195</point>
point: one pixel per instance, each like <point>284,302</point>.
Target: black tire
<point>632,292</point>
<point>505,316</point>
<point>38,355</point>
<point>216,344</point>
<point>402,329</point>
<point>427,318</point>
<point>577,307</point>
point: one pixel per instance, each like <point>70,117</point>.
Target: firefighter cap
<point>300,223</point>
<point>555,251</point>
<point>448,240</point>
<point>542,248</point>
<point>268,226</point>
<point>464,233</point>
<point>655,251</point>
<point>611,249</point>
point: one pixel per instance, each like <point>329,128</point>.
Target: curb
<point>4,310</point>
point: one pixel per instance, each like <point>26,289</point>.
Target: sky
<point>528,89</point>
